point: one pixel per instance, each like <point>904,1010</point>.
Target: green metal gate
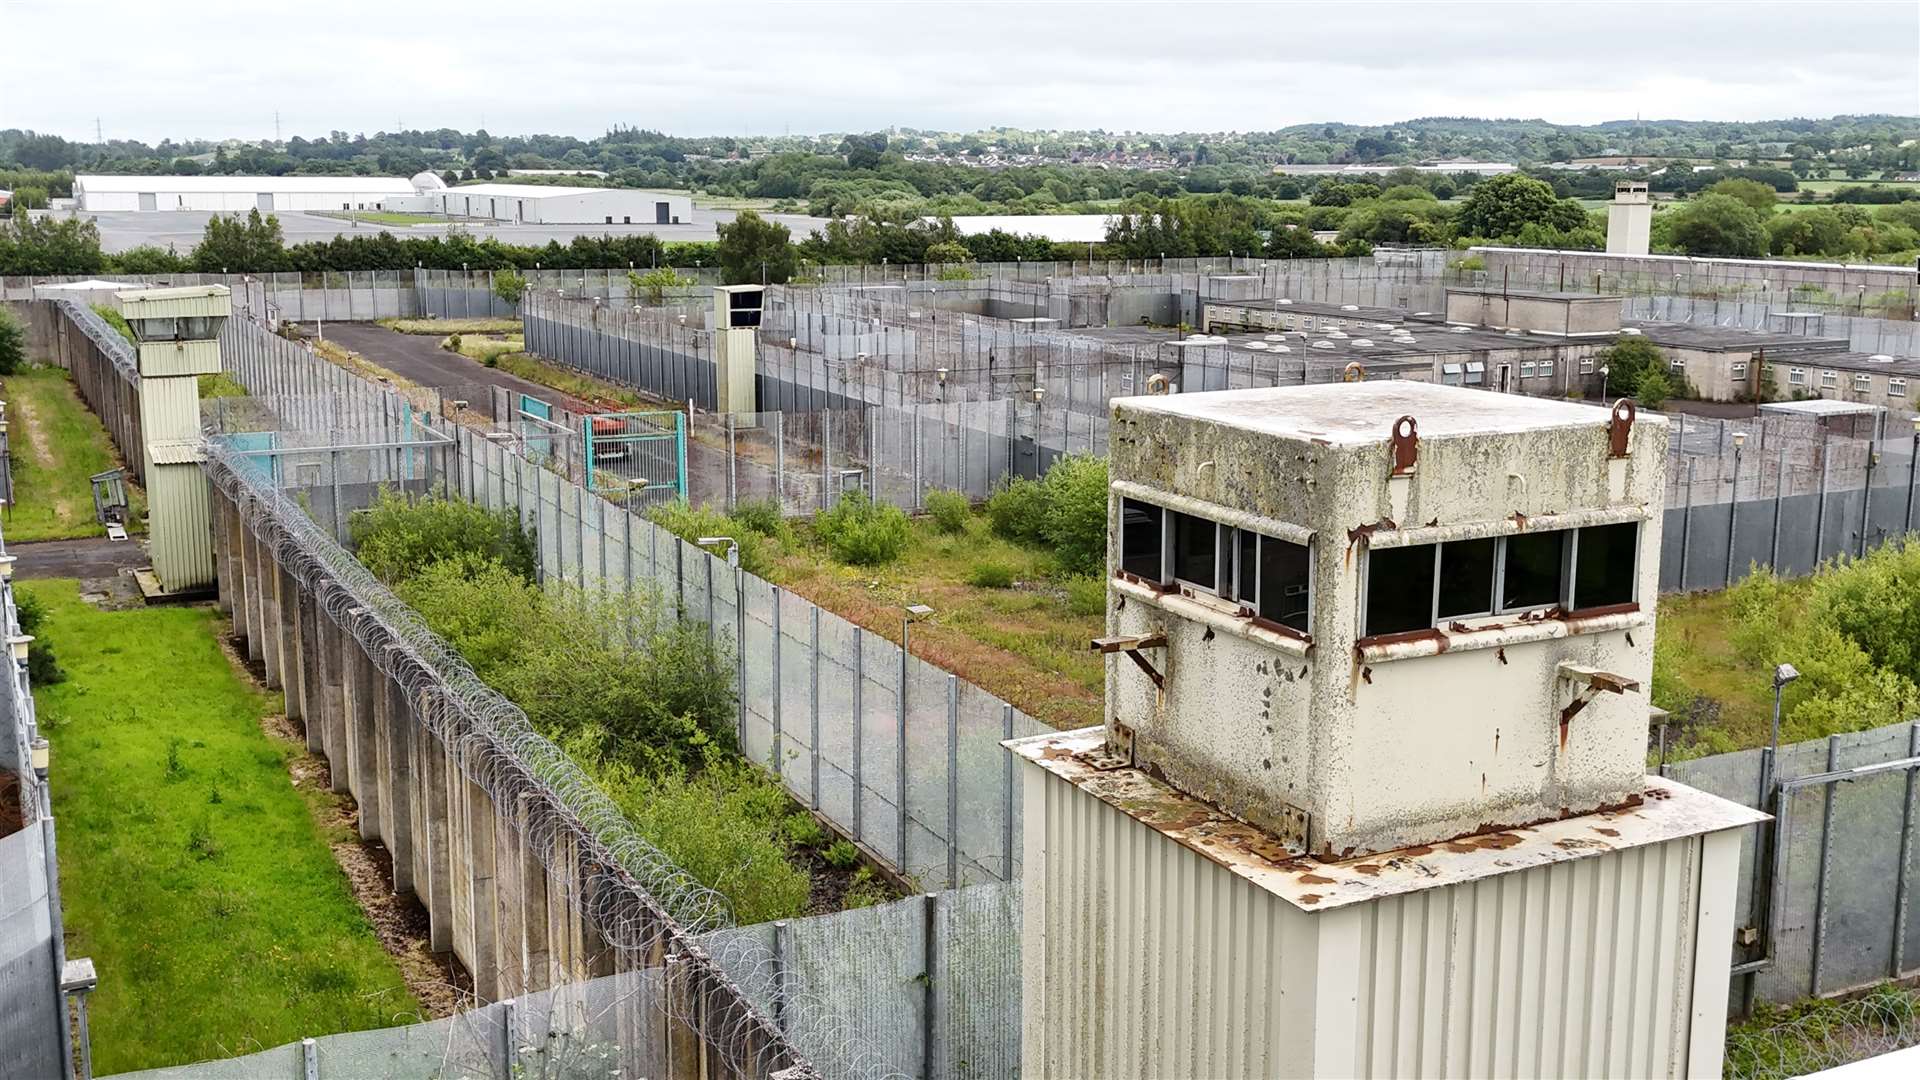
<point>636,456</point>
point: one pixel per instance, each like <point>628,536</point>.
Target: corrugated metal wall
<point>1579,969</point>
<point>1143,958</point>
<point>182,540</point>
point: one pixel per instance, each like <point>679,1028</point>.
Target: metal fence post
<point>815,695</point>
<point>782,941</point>
<point>1866,493</point>
<point>1779,485</point>
<point>1733,516</point>
<point>1686,521</point>
<point>503,1064</point>
<point>929,942</point>
<point>953,781</point>
<point>1006,778</point>
<point>733,468</point>
<point>1901,885</point>
<point>1826,864</point>
<point>1820,513</point>
<point>780,459</point>
<point>906,629</point>
<point>779,757</point>
<point>309,1059</point>
<point>1913,478</point>
<point>859,729</point>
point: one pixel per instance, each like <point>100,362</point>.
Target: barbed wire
<point>109,341</point>
<point>1825,1035</point>
<point>640,903</point>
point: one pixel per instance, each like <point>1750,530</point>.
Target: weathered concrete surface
<point>1382,745</point>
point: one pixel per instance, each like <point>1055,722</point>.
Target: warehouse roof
<point>357,184</point>
<point>1059,228</point>
<point>547,191</point>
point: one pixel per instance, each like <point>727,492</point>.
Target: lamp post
<point>1782,675</point>
<point>1604,370</point>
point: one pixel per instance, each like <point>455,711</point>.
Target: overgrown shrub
<point>452,344</point>
<point>765,517</point>
<point>1076,513</point>
<point>720,825</point>
<point>42,668</point>
<point>950,511</point>
<point>1018,511</point>
<point>397,540</point>
<point>1087,595</point>
<point>861,532</point>
<point>690,523</point>
<point>1852,630</point>
<point>613,673</point>
<point>990,575</point>
<point>13,343</point>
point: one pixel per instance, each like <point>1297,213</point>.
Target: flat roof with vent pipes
<point>1374,651</point>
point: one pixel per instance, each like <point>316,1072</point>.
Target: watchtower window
<point>1423,586</point>
<point>1196,551</point>
<point>1141,546</point>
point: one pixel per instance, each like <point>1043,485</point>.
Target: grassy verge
<point>486,349</point>
<point>1025,643</point>
<point>57,444</point>
<point>573,383</point>
<point>1778,1044</point>
<point>443,327</point>
<point>342,356</point>
<point>1852,630</point>
<point>192,872</point>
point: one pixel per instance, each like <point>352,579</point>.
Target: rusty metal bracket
<point>1406,445</point>
<point>1131,645</point>
<point>1620,427</point>
<point>1595,683</point>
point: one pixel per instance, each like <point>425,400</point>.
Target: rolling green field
<point>57,444</point>
<point>192,872</point>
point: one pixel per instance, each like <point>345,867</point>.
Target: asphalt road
<point>96,557</point>
<point>182,229</point>
<point>420,358</point>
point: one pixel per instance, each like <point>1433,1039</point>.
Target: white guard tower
<point>1630,219</point>
<point>736,332</point>
<point>178,332</point>
<point>1370,799</point>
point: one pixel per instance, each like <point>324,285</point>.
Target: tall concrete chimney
<point>1370,798</point>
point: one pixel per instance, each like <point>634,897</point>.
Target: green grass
<point>57,444</point>
<point>1702,678</point>
<point>1827,186</point>
<point>483,349</point>
<point>1778,1043</point>
<point>1022,643</point>
<point>192,871</point>
<point>585,387</point>
<point>443,327</point>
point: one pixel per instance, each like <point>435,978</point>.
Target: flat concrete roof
<point>1429,340</point>
<point>1822,407</point>
<point>1853,361</point>
<point>1663,810</point>
<point>1363,413</point>
<point>1531,294</point>
<point>1730,339</point>
<point>1315,307</point>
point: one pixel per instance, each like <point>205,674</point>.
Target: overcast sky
<point>213,68</point>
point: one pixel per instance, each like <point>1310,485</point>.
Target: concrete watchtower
<point>178,333</point>
<point>1630,219</point>
<point>1371,796</point>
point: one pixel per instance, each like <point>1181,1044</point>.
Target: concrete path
<point>94,557</point>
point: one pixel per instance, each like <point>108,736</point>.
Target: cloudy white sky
<point>213,68</point>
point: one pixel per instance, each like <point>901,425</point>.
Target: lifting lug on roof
<point>1353,372</point>
<point>1131,645</point>
<point>1406,445</point>
<point>1620,427</point>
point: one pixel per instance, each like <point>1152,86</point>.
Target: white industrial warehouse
<point>227,194</point>
<point>553,204</point>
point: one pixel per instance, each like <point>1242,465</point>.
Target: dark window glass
<point>1400,589</point>
<point>1532,570</point>
<point>1195,550</point>
<point>1140,540</point>
<point>1605,571</point>
<point>1249,566</point>
<point>1283,582</point>
<point>1466,577</point>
